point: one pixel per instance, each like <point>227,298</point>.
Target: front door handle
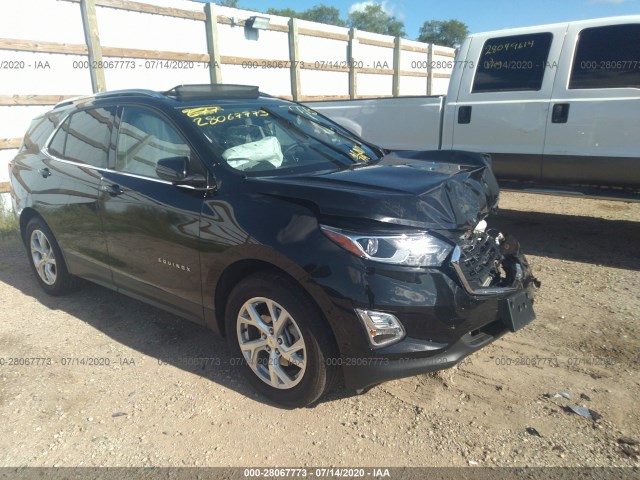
<point>560,113</point>
<point>112,190</point>
<point>464,114</point>
<point>45,172</point>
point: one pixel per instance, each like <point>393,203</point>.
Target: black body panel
<point>427,190</point>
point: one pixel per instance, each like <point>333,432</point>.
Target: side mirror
<point>197,181</point>
<point>173,169</point>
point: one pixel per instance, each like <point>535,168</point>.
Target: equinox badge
<point>174,264</point>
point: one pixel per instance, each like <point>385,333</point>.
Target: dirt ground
<point>155,404</point>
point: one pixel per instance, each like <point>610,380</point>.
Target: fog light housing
<point>382,328</point>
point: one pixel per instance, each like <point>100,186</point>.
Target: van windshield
<point>281,139</point>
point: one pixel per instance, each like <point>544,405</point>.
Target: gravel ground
<point>151,406</point>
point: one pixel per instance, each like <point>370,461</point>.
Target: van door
<point>594,123</point>
<point>503,101</point>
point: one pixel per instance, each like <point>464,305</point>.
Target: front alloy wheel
<point>271,343</point>
<point>280,339</point>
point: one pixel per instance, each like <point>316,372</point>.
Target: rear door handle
<point>464,114</point>
<point>45,172</point>
<point>112,190</point>
<point>560,113</point>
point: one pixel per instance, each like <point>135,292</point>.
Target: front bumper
<point>360,372</point>
<point>445,318</point>
<point>413,356</point>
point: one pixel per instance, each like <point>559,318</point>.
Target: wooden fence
<point>94,52</point>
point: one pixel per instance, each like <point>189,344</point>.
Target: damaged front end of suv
<point>415,263</point>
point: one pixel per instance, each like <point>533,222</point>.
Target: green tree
<point>449,33</point>
<point>319,13</point>
<point>324,14</point>
<point>230,3</point>
<point>374,19</point>
<point>284,12</point>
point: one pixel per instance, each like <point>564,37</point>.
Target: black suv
<point>317,254</point>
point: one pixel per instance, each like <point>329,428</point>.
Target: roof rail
<point>70,101</point>
<point>130,91</point>
<point>112,93</point>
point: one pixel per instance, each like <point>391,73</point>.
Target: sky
<point>479,15</point>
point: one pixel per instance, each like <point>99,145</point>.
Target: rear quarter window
<point>39,131</point>
<point>607,57</point>
<point>513,63</point>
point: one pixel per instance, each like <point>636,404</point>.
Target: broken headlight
<point>411,249</point>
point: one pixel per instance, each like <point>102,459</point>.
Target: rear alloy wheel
<point>281,340</point>
<point>43,257</point>
<point>46,259</point>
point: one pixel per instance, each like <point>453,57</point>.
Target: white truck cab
<point>557,106</point>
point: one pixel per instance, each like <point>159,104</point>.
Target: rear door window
<point>513,63</point>
<point>607,57</point>
<point>85,137</point>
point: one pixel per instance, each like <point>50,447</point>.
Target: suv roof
<point>180,93</point>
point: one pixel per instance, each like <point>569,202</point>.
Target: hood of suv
<point>430,190</point>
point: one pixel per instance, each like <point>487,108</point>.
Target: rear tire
<point>46,260</point>
<point>280,339</point>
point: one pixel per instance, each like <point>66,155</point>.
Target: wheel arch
<point>65,282</point>
<point>25,216</point>
<point>258,279</point>
<point>240,269</point>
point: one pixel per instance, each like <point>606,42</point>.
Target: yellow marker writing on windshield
<point>358,153</point>
<point>201,111</point>
<point>203,121</point>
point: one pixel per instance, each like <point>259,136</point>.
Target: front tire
<point>281,339</point>
<point>46,260</point>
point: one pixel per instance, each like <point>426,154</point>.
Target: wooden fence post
<point>213,45</point>
<point>294,59</point>
<point>353,73</point>
<point>396,66</point>
<point>430,70</point>
<point>92,39</point>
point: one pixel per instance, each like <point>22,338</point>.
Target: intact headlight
<point>411,249</point>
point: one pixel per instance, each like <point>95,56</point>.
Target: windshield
<point>281,139</point>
